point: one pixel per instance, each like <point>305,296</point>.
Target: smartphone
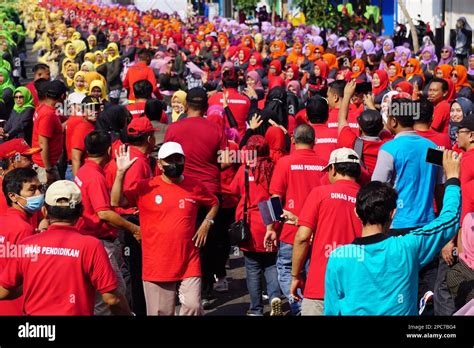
<point>363,87</point>
<point>435,157</point>
<point>277,208</point>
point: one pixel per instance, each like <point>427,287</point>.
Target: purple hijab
<point>391,50</point>
<point>334,38</point>
<point>360,44</point>
<point>369,47</point>
<point>450,58</point>
<point>470,71</point>
<point>433,58</point>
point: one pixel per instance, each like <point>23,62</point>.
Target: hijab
<point>416,69</point>
<point>181,96</point>
<point>27,101</point>
<point>113,46</point>
<point>258,65</point>
<point>256,77</point>
<point>99,84</point>
<point>83,89</point>
<point>361,65</point>
<point>331,60</point>
<point>462,77</point>
<point>448,60</point>
<point>446,69</point>
<point>398,74</point>
<point>383,76</point>
<point>276,140</point>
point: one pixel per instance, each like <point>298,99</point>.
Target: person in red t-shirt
<point>259,262</point>
<point>41,71</point>
<point>23,191</point>
<point>328,219</point>
<point>335,96</point>
<point>15,153</point>
<point>60,269</point>
<point>370,123</point>
<point>141,71</point>
<point>91,109</point>
<point>293,179</point>
<point>423,127</point>
<point>326,138</point>
<point>437,94</point>
<point>48,132</point>
<point>143,90</point>
<point>169,207</point>
<point>205,145</point>
<point>98,218</point>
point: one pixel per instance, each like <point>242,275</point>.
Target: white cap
<point>343,155</point>
<point>170,148</point>
<point>75,98</point>
<point>63,189</point>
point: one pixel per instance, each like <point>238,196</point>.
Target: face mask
<point>33,204</point>
<point>173,170</point>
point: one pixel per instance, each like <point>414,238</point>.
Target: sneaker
<point>206,304</point>
<point>276,308</point>
<point>265,297</point>
<point>221,285</point>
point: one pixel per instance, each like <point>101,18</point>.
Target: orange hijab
<point>293,57</point>
<point>462,77</point>
<point>252,43</point>
<point>416,69</point>
<point>331,60</point>
<point>361,65</point>
<point>281,52</point>
<point>446,69</point>
<point>398,74</point>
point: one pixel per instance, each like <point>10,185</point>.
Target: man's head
<point>144,56</point>
<point>91,108</point>
<point>426,112</point>
<point>196,101</point>
<point>376,204</point>
<point>56,90</point>
<point>41,71</point>
<point>23,190</point>
<point>63,202</point>
<point>304,136</point>
<point>143,89</point>
<point>230,78</point>
<point>438,90</point>
<point>370,122</point>
<point>41,85</point>
<point>16,153</point>
<point>141,133</point>
<point>171,160</point>
<point>335,93</point>
<point>400,117</point>
<point>344,164</point>
<point>317,110</point>
<point>98,145</point>
<point>465,133</point>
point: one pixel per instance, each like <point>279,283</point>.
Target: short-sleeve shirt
<point>325,140</point>
<point>47,123</point>
<point>80,133</point>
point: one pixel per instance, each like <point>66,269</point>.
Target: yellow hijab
<point>83,75</point>
<point>97,53</point>
<point>113,46</point>
<point>79,45</point>
<point>181,96</point>
<point>66,51</point>
<point>99,84</point>
<point>69,81</point>
<point>89,56</point>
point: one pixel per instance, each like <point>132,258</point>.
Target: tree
<point>248,6</point>
<point>319,12</point>
<point>414,34</point>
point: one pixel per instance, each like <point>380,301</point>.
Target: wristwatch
<point>210,221</point>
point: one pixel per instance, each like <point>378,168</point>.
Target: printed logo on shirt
<point>336,125</point>
<point>308,167</point>
<point>158,199</point>
<point>190,200</point>
<point>326,140</point>
<point>234,101</point>
<point>78,181</point>
<point>343,196</point>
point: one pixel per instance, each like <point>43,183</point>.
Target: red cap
<point>140,125</point>
<point>17,146</point>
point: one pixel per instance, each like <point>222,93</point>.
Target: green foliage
<point>319,12</point>
<point>248,6</point>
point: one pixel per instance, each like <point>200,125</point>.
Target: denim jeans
<point>257,263</point>
<point>284,262</point>
<point>69,175</point>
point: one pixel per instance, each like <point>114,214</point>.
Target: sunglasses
<point>19,97</point>
<point>410,66</point>
<point>444,51</point>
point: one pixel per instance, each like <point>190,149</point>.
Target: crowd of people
<point>144,137</point>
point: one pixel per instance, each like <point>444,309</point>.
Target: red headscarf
<point>263,169</point>
<point>296,72</point>
<point>451,90</point>
<point>276,81</point>
<point>277,64</point>
<point>277,143</point>
<point>246,52</point>
<point>383,76</point>
<point>323,67</point>
<point>258,64</point>
<point>405,86</point>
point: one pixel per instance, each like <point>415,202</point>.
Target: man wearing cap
<point>22,190</point>
<point>204,144</point>
<point>370,122</point>
<point>169,206</point>
<point>98,218</point>
<point>328,219</point>
<point>60,269</point>
<point>293,179</point>
<point>91,109</point>
<point>15,153</point>
<point>48,132</point>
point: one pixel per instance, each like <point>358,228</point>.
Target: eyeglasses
<point>19,97</point>
<point>464,131</point>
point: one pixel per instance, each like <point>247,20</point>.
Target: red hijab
<point>323,67</point>
<point>277,143</point>
<point>383,76</point>
<point>258,64</point>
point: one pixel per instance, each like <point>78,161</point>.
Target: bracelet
<point>295,276</point>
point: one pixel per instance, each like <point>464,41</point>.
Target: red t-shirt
<point>71,125</point>
<point>293,179</point>
<point>370,148</point>
<point>3,200</point>
<point>329,212</point>
<point>15,227</point>
<point>47,124</point>
<point>258,193</point>
<point>238,104</point>
<point>95,198</point>
<point>333,119</point>
<point>137,72</point>
<point>168,215</point>
<point>441,140</point>
<point>326,140</point>
<point>60,272</point>
<point>467,183</point>
<point>441,116</point>
<point>229,200</point>
<point>202,142</point>
<point>136,109</point>
<point>34,92</point>
<point>80,134</point>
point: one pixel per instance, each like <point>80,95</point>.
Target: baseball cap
<point>197,95</point>
<point>92,103</point>
<point>343,155</point>
<point>370,121</point>
<point>11,147</point>
<point>63,189</point>
<point>55,89</point>
<point>466,122</point>
<point>140,125</point>
<point>170,148</point>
